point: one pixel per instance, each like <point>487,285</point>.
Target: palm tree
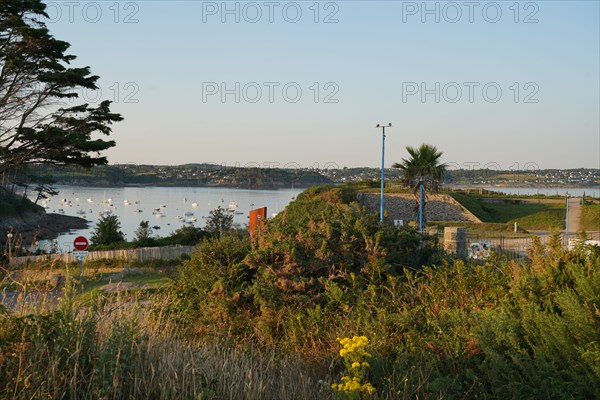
<point>423,168</point>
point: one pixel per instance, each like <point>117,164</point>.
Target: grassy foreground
<point>114,347</point>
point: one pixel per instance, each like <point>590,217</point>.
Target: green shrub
<point>211,285</point>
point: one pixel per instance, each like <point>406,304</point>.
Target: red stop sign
<point>80,243</point>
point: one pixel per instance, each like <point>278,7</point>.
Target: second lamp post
<point>382,126</point>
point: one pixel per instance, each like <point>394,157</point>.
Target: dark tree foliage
<point>107,231</point>
<point>44,188</point>
<point>36,81</point>
<point>185,236</point>
<point>143,233</point>
<point>219,221</point>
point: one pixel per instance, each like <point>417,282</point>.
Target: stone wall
<point>439,207</point>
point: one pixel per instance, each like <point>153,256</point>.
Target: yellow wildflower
<point>354,354</point>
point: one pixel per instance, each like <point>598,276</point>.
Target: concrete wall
<point>439,207</point>
<point>455,241</point>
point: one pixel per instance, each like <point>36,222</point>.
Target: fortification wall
<point>439,207</point>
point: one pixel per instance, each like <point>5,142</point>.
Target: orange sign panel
<point>257,218</point>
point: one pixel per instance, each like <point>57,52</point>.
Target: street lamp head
<point>9,235</point>
<point>377,126</point>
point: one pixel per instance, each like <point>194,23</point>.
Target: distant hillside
<point>181,175</point>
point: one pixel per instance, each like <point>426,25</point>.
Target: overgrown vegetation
<point>259,317</point>
<point>112,348</point>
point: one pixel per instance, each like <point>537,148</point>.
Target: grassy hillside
<point>531,216</point>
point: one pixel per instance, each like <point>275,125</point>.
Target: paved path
<point>574,214</point>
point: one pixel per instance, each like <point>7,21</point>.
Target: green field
<point>590,217</point>
<point>530,216</point>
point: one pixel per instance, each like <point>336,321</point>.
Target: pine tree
<point>107,231</point>
<point>36,81</point>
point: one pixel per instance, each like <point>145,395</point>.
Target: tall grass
<point>118,348</point>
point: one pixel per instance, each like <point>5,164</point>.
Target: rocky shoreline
<point>39,226</point>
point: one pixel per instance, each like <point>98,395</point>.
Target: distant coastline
<point>180,184</point>
<point>265,178</point>
<point>522,185</point>
<point>305,185</point>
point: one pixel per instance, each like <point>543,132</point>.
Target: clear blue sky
<point>175,57</point>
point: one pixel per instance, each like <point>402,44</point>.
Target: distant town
<point>267,177</point>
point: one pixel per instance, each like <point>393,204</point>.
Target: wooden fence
<point>515,245</point>
<point>141,255</point>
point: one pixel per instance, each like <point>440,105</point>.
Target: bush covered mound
<point>314,257</point>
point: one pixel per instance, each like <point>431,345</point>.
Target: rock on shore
<point>41,226</point>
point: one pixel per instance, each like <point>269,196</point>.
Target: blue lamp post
<point>382,165</point>
<point>421,205</point>
<point>567,222</point>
